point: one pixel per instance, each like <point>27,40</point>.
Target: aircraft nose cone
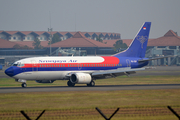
<point>9,71</point>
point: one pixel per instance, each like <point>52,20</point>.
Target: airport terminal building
<point>85,44</point>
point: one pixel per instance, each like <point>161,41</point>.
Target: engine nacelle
<point>80,78</point>
<point>45,81</point>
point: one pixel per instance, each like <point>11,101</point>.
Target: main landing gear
<point>24,85</point>
<point>70,84</point>
<point>91,84</point>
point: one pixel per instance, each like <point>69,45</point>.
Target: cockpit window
<point>15,64</point>
<point>18,64</point>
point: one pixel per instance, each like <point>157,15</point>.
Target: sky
<point>115,16</point>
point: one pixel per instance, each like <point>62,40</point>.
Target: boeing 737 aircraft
<point>83,70</point>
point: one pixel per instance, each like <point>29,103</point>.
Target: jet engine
<point>45,81</point>
<point>80,78</point>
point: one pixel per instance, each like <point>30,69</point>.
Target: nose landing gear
<point>24,85</point>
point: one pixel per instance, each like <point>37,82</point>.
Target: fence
<point>89,114</point>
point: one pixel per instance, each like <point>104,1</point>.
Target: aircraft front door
<point>34,65</point>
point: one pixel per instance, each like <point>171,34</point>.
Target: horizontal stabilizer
<point>145,60</point>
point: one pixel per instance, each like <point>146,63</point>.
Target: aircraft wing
<point>144,60</point>
<point>116,72</point>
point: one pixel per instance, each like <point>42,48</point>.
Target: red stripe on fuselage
<point>110,60</point>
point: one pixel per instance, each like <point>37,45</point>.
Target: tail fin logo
<point>142,40</point>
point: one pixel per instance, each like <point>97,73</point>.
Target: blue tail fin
<point>139,44</point>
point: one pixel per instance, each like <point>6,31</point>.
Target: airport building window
<point>3,38</point>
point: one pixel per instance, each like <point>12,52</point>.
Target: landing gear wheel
<point>91,84</point>
<point>70,84</point>
<point>24,85</point>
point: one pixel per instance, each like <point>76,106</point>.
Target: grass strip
<point>88,99</point>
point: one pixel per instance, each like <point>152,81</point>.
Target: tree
<point>26,47</point>
<point>119,45</point>
<point>17,46</point>
<point>37,44</point>
<point>55,38</point>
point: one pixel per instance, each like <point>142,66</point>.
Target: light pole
<point>50,38</point>
<point>79,51</point>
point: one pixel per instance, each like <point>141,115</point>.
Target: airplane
<point>84,69</point>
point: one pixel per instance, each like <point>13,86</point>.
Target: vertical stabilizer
<point>138,46</point>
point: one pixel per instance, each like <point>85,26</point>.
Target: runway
<point>85,88</point>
